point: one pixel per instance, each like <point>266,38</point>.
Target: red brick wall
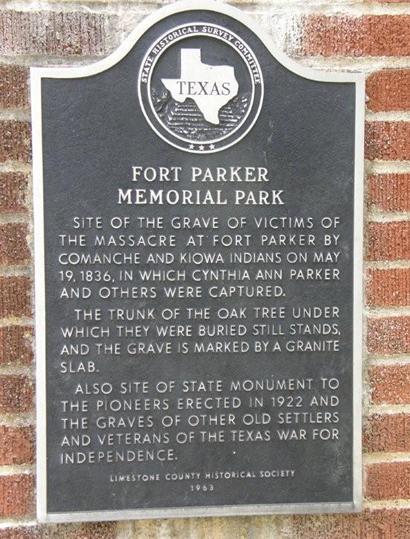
<point>368,36</point>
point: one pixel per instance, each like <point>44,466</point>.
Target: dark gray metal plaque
<point>198,206</point>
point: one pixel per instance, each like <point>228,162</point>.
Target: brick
<point>13,244</point>
<point>388,241</point>
<point>16,495</point>
<point>376,524</point>
<point>388,90</point>
<point>15,141</point>
<point>16,394</point>
<point>16,445</point>
<point>387,141</point>
<point>390,384</point>
<point>15,345</point>
<point>369,35</point>
<point>388,481</point>
<point>388,287</point>
<point>388,335</point>
<point>15,297</point>
<point>101,530</point>
<point>387,433</point>
<point>20,532</point>
<point>13,192</point>
<point>13,87</point>
<point>389,192</point>
<point>54,33</point>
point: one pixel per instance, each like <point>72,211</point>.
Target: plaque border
<point>37,74</point>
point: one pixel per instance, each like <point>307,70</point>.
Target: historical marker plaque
<point>198,212</point>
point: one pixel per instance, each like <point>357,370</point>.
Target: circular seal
<point>200,87</point>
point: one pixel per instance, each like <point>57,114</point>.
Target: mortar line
<point>15,166</point>
<point>387,167</point>
<point>388,116</point>
<point>365,64</point>
<point>16,321</point>
<point>294,7</point>
<point>375,216</point>
<point>387,264</point>
<point>386,312</point>
<point>17,522</point>
<point>18,369</point>
<point>20,420</point>
<point>16,271</point>
<point>385,457</point>
<point>388,409</point>
<point>387,504</point>
<point>10,218</point>
<point>16,469</point>
<point>388,361</point>
<point>18,115</point>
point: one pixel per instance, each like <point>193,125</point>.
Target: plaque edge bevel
<point>204,511</point>
<point>36,75</point>
<point>39,299</point>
